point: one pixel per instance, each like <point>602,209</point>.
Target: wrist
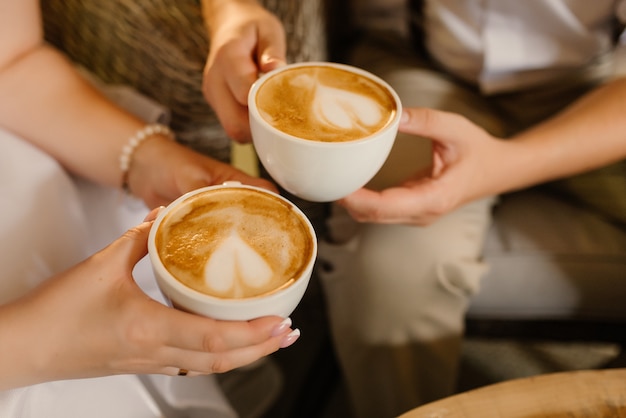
<point>216,12</point>
<point>128,154</point>
<point>520,164</point>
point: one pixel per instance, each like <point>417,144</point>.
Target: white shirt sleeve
<point>502,45</point>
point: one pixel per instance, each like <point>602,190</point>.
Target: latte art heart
<point>339,109</point>
<point>235,266</point>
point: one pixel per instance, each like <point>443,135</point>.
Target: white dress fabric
<point>51,221</point>
<point>478,41</point>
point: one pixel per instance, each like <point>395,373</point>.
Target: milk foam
<point>340,109</point>
<point>235,266</point>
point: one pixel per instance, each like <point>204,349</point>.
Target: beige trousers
<point>396,294</point>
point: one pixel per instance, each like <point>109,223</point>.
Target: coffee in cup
<point>322,130</point>
<point>233,252</point>
<point>325,103</point>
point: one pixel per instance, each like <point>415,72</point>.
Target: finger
<point>218,173</point>
<point>236,61</point>
<point>255,181</point>
<point>391,206</point>
<point>199,362</point>
<point>221,86</point>
<point>433,124</point>
<point>194,332</point>
<point>249,333</point>
<point>265,184</point>
<point>272,48</point>
<point>240,80</point>
<point>232,114</point>
<point>227,360</point>
<point>365,205</point>
<point>151,216</point>
<point>133,245</point>
<point>244,356</point>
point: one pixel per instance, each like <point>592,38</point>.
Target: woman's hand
<point>162,170</point>
<point>246,40</point>
<point>93,320</point>
<point>467,164</point>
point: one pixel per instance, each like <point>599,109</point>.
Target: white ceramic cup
<point>281,302</point>
<point>315,170</point>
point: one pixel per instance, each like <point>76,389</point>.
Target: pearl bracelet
<point>126,157</point>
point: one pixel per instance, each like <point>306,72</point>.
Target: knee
<point>390,281</point>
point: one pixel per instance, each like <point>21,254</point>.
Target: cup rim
<point>253,111</point>
<point>198,296</point>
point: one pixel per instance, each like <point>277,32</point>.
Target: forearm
<point>55,109</point>
<point>22,350</point>
<point>589,134</point>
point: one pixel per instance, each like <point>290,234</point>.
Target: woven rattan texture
<point>159,47</point>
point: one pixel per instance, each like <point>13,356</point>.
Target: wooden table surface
<point>577,394</point>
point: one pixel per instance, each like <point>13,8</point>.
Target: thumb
<point>270,60</point>
<point>271,49</point>
<point>132,246</point>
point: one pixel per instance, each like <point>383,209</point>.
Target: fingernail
<point>282,327</point>
<point>275,62</point>
<point>290,338</point>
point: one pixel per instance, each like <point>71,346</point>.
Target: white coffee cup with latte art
<point>322,130</point>
<point>233,252</point>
